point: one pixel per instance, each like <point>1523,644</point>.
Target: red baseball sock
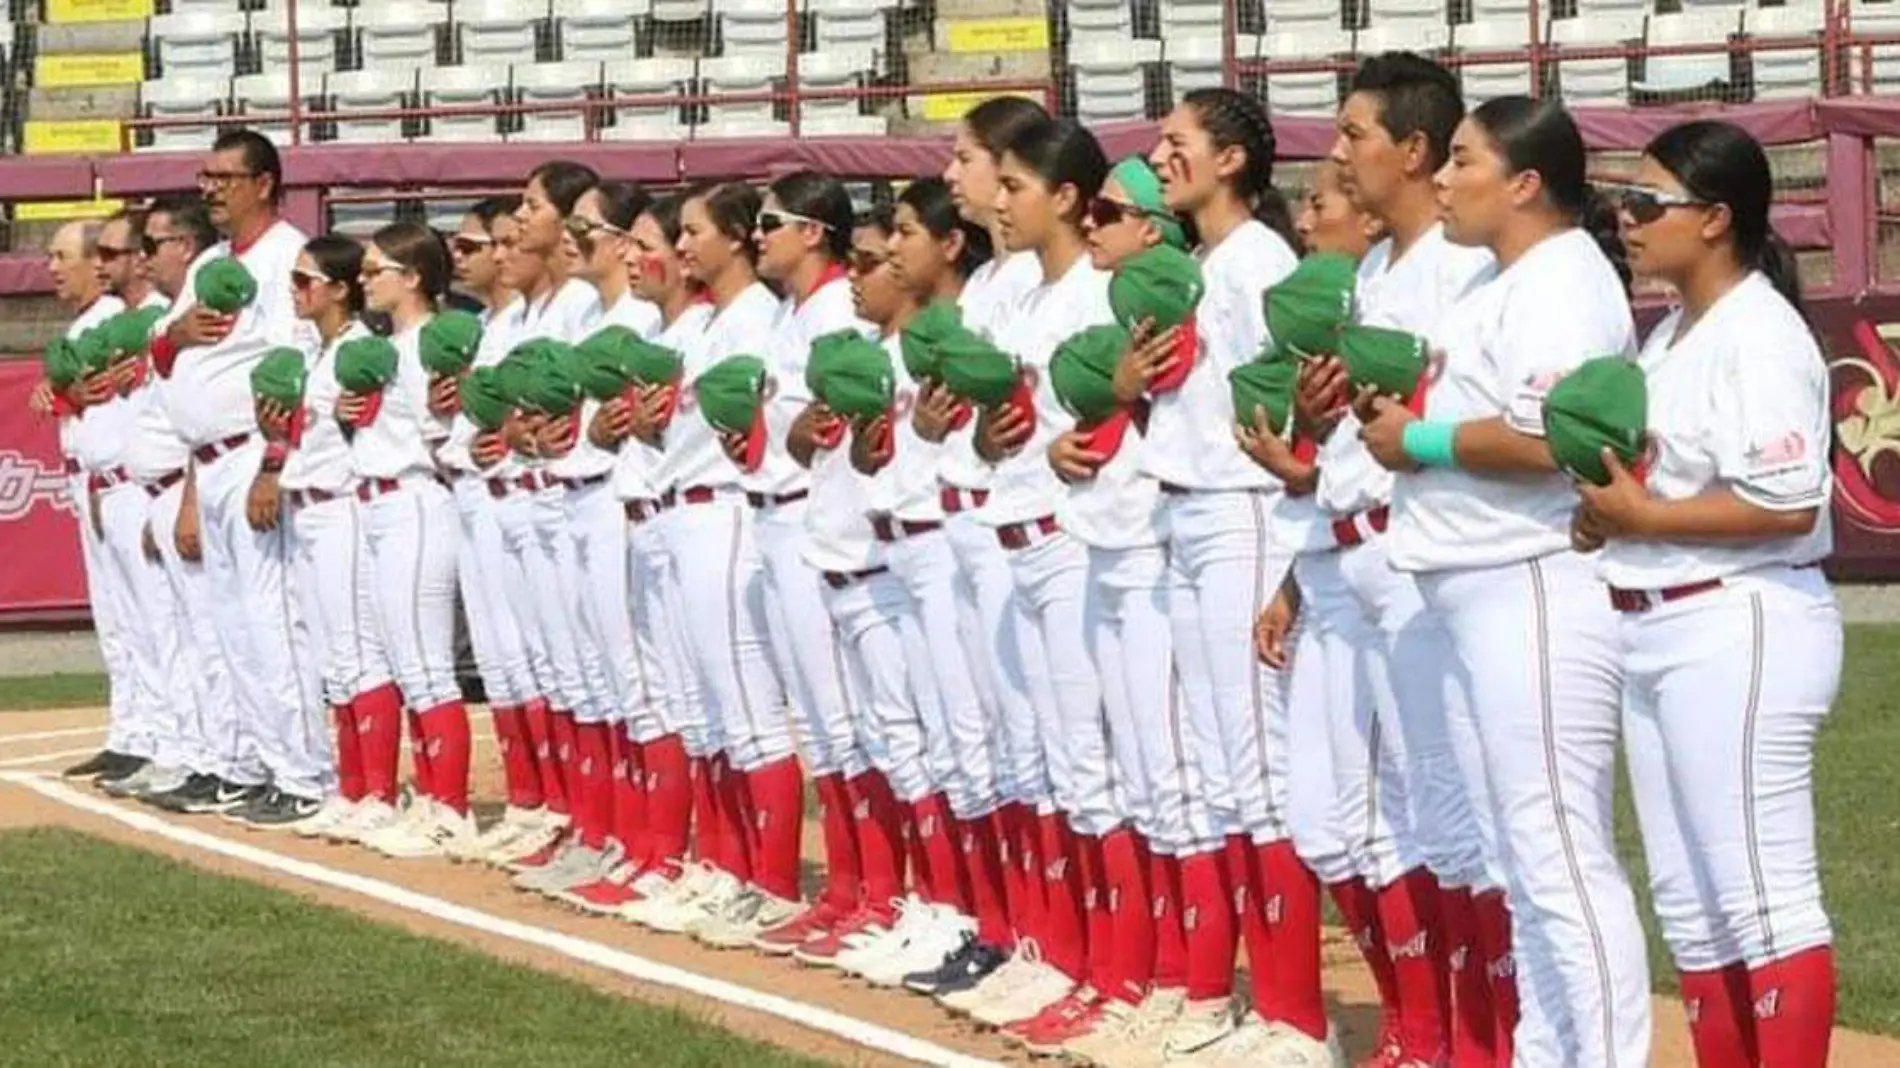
<point>379,738</point>
<point>1099,949</point>
<point>778,803</point>
<point>879,827</point>
<point>1794,1008</point>
<point>630,821</point>
<point>1474,1018</point>
<point>419,754</point>
<point>669,800</point>
<point>1243,887</point>
<point>539,718</point>
<point>914,856</point>
<point>707,842</point>
<point>567,759</point>
<point>1127,869</point>
<point>349,754</point>
<point>982,858</point>
<point>1289,906</point>
<point>1022,872</point>
<point>591,789</point>
<point>844,864</point>
<point>1721,1017</point>
<point>1171,955</point>
<point>1409,918</point>
<point>936,833</point>
<point>1359,908</point>
<point>517,756</point>
<point>446,739</point>
<point>733,810</point>
<point>1207,924</point>
<point>1065,943</point>
<point>1500,967</point>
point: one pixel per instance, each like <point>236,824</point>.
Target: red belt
<point>1643,600</point>
<point>952,499</point>
<point>583,483</point>
<point>372,488</point>
<point>501,487</point>
<point>689,495</point>
<point>110,477</point>
<point>888,529</point>
<point>1347,533</point>
<point>838,580</point>
<point>300,498</point>
<point>223,447</point>
<point>640,511</point>
<point>773,500</point>
<point>1018,535</point>
<point>164,482</point>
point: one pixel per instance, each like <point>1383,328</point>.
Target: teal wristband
<point>1431,444</point>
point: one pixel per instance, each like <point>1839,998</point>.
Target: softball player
<point>1712,564</point>
<point>412,535</point>
<point>1481,518</point>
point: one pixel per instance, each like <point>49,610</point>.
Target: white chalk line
<point>41,758</point>
<point>41,736</point>
<point>858,1032</point>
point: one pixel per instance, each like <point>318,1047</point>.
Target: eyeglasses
<point>867,261</point>
<point>223,178</point>
<point>303,279</point>
<point>111,253</point>
<point>581,226</point>
<point>1106,212</point>
<point>771,219</point>
<point>469,245</point>
<point>1645,205</point>
<point>154,242</point>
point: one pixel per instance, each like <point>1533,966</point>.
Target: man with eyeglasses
<point>269,745</point>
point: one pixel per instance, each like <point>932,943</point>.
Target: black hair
<point>999,120</point>
<point>260,157</point>
<point>1720,163</point>
<point>488,209</point>
<point>1236,120</point>
<point>1416,96</point>
<point>340,259</point>
<point>421,250</point>
<point>622,202</point>
<point>564,181</point>
<point>666,213</point>
<point>820,197</point>
<point>882,217</point>
<point>930,199</point>
<point>134,220</point>
<point>734,208</point>
<point>1063,152</point>
<point>1540,135</point>
<point>188,215</point>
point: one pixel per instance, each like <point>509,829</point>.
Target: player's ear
<point>1717,221</point>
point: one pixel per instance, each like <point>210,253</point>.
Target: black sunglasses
<point>1106,212</point>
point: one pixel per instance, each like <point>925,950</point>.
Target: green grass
<point>111,956</point>
<point>30,694</point>
<point>1857,817</point>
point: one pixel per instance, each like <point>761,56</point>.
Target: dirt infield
<point>36,742</point>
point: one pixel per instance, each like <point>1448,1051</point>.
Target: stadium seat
<point>396,34</point>
<point>834,70</point>
<point>856,24</point>
<point>540,83</point>
<point>1786,74</point>
<point>179,97</point>
<point>601,31</point>
<point>1296,16</point>
<point>752,126</point>
<point>1109,81</point>
<point>657,120</point>
<point>469,85</point>
<point>1488,79</point>
<point>1702,70</point>
<point>498,31</point>
<point>1100,21</point>
<point>269,94</point>
<point>1190,18</point>
<point>1873,68</point>
<point>741,74</point>
<point>680,10</point>
<point>318,29</point>
<point>1595,80</point>
<point>752,27</point>
<point>370,90</point>
<point>198,44</point>
<point>1308,92</point>
<point>1504,10</point>
<point>1405,14</point>
<point>1425,38</point>
<point>1193,63</point>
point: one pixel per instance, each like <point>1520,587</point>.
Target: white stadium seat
<point>1109,82</point>
<point>752,126</point>
<point>370,90</point>
<point>855,24</point>
<point>1881,73</point>
<point>1786,74</point>
<point>180,97</point>
<point>1190,18</point>
<point>498,31</point>
<point>598,30</point>
<point>469,85</point>
<point>395,34</point>
<point>198,44</point>
<point>269,94</point>
<point>1597,80</point>
<point>318,28</point>
<point>1193,63</point>
<point>740,74</point>
<point>1406,14</point>
<point>1310,92</point>
<point>1674,73</point>
<point>1297,16</point>
<point>658,77</point>
<point>1424,38</point>
<point>542,83</point>
<point>1107,21</point>
<point>1484,81</point>
<point>752,26</point>
<point>839,69</point>
<point>680,10</point>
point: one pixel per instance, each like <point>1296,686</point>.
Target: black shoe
<point>960,970</point>
<point>196,790</point>
<point>233,796</point>
<point>127,768</point>
<point>276,809</point>
<point>104,762</point>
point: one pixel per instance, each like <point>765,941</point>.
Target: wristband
<point>1431,444</point>
<point>275,455</point>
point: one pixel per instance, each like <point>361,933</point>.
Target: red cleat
<point>864,922</point>
<point>813,923</point>
<point>1065,1021</point>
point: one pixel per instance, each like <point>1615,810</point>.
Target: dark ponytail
<point>930,199</point>
<point>1598,218</point>
<point>1719,163</point>
<point>1539,135</point>
<point>1236,120</point>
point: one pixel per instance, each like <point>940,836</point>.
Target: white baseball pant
<point>722,622</point>
<point>1724,693</point>
<point>1223,547</point>
<point>121,720</point>
<point>527,568</point>
<point>491,597</point>
<point>275,730</point>
<point>926,564</point>
<point>1314,820</point>
<point>1052,578</point>
<point>870,614</point>
<point>568,599</point>
<point>1538,641</point>
<point>803,644</point>
<point>666,690</point>
<point>1001,647</point>
<point>331,569</point>
<point>531,522</point>
<point>142,599</point>
<point>200,659</point>
<point>413,537</point>
<point>597,567</point>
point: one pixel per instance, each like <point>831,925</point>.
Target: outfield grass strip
<point>859,1032</point>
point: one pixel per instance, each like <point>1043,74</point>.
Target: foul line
<point>40,736</point>
<point>853,1030</point>
<point>41,758</point>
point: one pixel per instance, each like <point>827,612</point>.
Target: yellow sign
<point>949,107</point>
<point>54,210</point>
<point>98,10</point>
<point>72,71</point>
<point>97,137</point>
<point>998,35</point>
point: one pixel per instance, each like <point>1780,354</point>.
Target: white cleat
<point>998,984</point>
<point>751,913</point>
<point>1040,986</point>
<point>442,832</point>
<point>372,816</point>
<point>1130,1037</point>
<point>941,932</point>
<point>334,813</point>
<point>693,904</point>
<point>1199,1025</point>
<point>533,831</point>
<point>1289,1047</point>
<point>867,949</point>
<point>693,880</point>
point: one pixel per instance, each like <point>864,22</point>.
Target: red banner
<point>40,569</point>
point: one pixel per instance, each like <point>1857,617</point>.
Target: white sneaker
<point>336,811</point>
<point>577,865</point>
<point>681,912</point>
<point>503,831</point>
<point>444,833</point>
<point>729,901</point>
<point>693,880</point>
<point>740,925</point>
<point>535,830</point>
<point>942,932</point>
<point>1106,1038</point>
<point>876,943</point>
<point>1290,1047</point>
<point>1040,987</point>
<point>998,984</point>
<point>372,816</point>
<point>1140,1041</point>
<point>1199,1025</point>
<point>655,882</point>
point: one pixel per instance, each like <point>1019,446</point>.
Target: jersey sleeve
<point>1773,426</point>
<point>1546,334</point>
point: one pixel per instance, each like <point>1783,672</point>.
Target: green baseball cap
<point>823,350</point>
<point>95,349</point>
<point>62,362</point>
<point>1137,176</point>
<point>1082,372</point>
<point>976,370</point>
<point>224,285</point>
<point>1390,361</point>
<point>1162,283</point>
<point>553,386</point>
<point>365,364</point>
<point>856,379</point>
<point>449,341</point>
<point>1310,306</point>
<point>1604,403</point>
<point>517,369</point>
<point>732,393</point>
<point>130,332</point>
<point>656,365</point>
<point>603,364</point>
<point>279,377</point>
<point>484,400</point>
<point>1264,384</point>
<point>924,335</point>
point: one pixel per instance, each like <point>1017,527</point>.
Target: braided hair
<point>1236,120</point>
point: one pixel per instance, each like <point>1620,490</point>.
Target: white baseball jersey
<point>95,436</point>
<point>569,314</point>
<point>397,441</point>
<point>907,488</point>
<point>1191,430</point>
<point>322,459</point>
<point>693,455</point>
<point>210,386</point>
<point>841,536</point>
<point>1023,486</point>
<point>1504,346</point>
<point>986,300</point>
<point>587,460</point>
<point>636,314</point>
<point>786,350</point>
<point>153,448</point>
<point>636,469</point>
<point>1412,294</point>
<point>1739,402</point>
<point>500,329</point>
